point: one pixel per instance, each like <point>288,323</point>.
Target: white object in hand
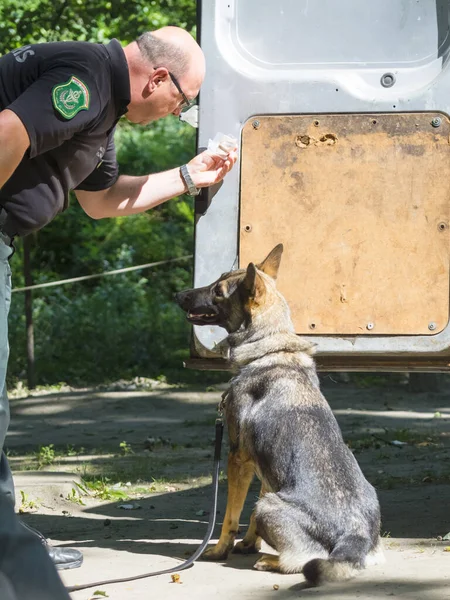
<point>221,145</point>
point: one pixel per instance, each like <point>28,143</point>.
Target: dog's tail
<point>346,559</point>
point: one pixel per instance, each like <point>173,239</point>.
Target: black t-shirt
<point>69,96</point>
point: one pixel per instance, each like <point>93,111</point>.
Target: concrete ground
<point>152,448</point>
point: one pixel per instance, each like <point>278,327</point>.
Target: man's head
<point>167,68</point>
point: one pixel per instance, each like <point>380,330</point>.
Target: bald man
<point>60,103</point>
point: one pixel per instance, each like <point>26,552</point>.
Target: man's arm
<point>131,195</point>
<point>14,142</point>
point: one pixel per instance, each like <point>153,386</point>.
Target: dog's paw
<point>268,562</point>
<point>215,553</point>
<point>243,548</point>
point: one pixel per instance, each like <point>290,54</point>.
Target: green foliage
<point>33,21</point>
<point>45,455</point>
<point>102,489</point>
<point>124,325</point>
<point>27,505</point>
<point>74,496</point>
<point>126,448</point>
<point>140,150</point>
<point>121,328</point>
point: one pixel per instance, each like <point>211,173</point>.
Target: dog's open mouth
<point>202,317</point>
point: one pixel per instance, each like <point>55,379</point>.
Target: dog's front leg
<point>251,544</point>
<point>240,474</point>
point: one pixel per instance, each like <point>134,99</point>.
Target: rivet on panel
<point>248,228</point>
<point>312,325</point>
<point>436,121</point>
<point>432,326</point>
<point>256,124</point>
<point>442,226</point>
<point>387,80</point>
<point>369,326</point>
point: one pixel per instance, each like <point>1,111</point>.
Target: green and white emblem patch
<point>70,97</point>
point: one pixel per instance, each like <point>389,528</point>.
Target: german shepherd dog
<point>316,509</point>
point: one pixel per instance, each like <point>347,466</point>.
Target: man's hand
<point>205,170</point>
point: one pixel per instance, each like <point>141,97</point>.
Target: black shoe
<point>62,558</point>
<point>65,558</point>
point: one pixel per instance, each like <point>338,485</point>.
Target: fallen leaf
<point>176,578</point>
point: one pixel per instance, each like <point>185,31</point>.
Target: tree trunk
<point>29,313</point>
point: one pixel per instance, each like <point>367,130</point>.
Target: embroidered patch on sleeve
<point>71,97</point>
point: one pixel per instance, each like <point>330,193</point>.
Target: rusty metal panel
<point>361,204</point>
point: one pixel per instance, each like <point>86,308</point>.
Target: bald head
<point>176,49</point>
<point>166,69</point>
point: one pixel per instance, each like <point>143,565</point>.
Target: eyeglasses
<point>186,102</point>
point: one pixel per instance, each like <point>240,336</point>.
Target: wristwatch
<point>192,190</point>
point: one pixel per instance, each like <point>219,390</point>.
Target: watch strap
<point>192,190</point>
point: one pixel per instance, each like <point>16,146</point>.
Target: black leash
<point>212,521</point>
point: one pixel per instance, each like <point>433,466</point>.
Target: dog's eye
<point>218,292</point>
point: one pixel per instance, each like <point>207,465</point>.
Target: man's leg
<point>63,558</point>
<point>6,481</point>
<point>26,571</point>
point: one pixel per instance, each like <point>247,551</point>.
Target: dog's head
<point>233,298</point>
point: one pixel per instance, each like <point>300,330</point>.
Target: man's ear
<point>254,284</point>
<point>271,263</point>
<point>157,77</point>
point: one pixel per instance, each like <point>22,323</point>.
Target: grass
<point>27,505</point>
<point>75,497</point>
<point>45,455</point>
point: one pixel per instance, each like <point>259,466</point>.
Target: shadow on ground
<point>413,479</point>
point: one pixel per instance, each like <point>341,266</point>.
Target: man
<point>59,105</point>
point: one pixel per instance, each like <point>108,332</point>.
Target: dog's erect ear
<point>250,279</point>
<point>253,283</point>
<point>271,263</point>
